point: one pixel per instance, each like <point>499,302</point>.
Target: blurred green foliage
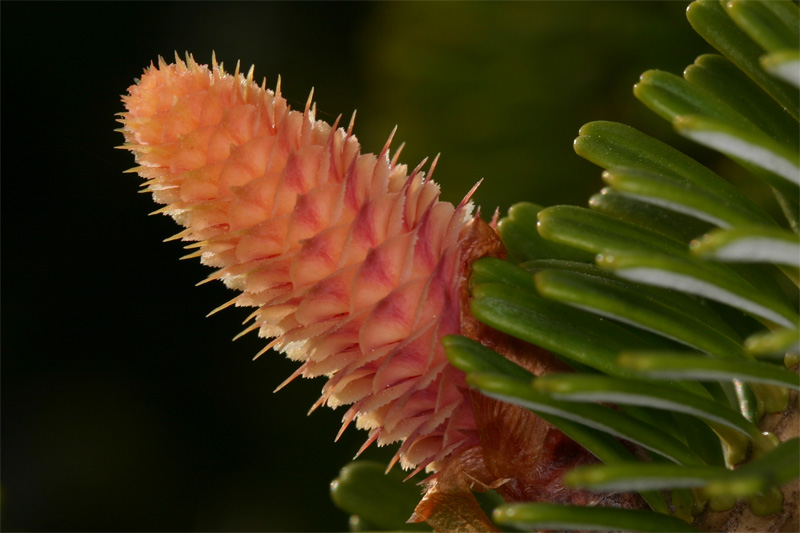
<point>501,88</point>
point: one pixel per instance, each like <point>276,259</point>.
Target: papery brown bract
<point>519,455</point>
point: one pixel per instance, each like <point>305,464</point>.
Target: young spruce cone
<point>356,268</point>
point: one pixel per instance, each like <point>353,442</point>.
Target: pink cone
<point>353,264</point>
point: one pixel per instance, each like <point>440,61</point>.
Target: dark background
<point>123,408</point>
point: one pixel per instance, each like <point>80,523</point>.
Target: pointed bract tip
<point>179,235</point>
<point>397,153</point>
<point>309,100</point>
<point>291,378</point>
<point>223,306</point>
<point>373,436</point>
<point>417,170</point>
<point>385,149</point>
<point>393,462</point>
<point>245,331</point>
<point>211,277</point>
<point>470,193</point>
<point>335,125</point>
<point>261,352</point>
<point>159,211</point>
<point>433,166</point>
<point>193,245</point>
<point>198,253</point>
<point>495,218</point>
<point>416,471</point>
<point>352,123</point>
